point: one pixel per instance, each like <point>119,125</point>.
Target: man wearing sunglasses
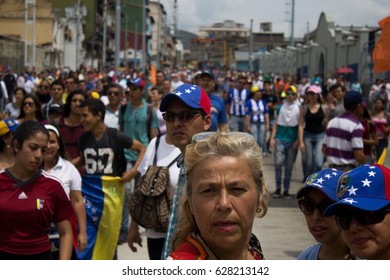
<point>319,192</point>
<point>138,121</point>
<point>115,95</point>
<point>186,112</point>
<point>361,211</point>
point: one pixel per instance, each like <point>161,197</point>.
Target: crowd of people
<point>58,126</point>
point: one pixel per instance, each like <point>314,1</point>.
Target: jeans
<point>237,123</point>
<point>313,157</point>
<point>284,155</point>
<point>259,133</point>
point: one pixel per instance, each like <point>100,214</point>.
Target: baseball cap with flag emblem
<point>366,187</point>
<point>192,95</point>
<point>324,180</point>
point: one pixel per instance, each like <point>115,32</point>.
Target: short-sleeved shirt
<point>256,110</point>
<point>70,136</point>
<point>27,210</point>
<point>104,156</point>
<point>344,134</point>
<point>237,99</point>
<point>67,173</point>
<point>310,253</point>
<point>217,112</point>
<point>136,126</point>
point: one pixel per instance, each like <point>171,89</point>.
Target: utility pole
<point>117,35</point>
<point>77,33</point>
<point>125,50</point>
<point>292,23</point>
<point>135,42</point>
<point>159,12</point>
<point>28,5</point>
<point>143,37</point>
<point>104,33</point>
<point>251,47</point>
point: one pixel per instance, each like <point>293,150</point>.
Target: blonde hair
<point>240,145</point>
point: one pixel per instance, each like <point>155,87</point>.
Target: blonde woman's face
<point>224,201</point>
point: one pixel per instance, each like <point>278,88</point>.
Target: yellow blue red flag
<point>103,198</point>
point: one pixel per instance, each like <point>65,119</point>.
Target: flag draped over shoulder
<point>103,197</point>
<point>381,54</point>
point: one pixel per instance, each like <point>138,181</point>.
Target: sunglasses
<point>365,218</point>
<point>308,207</point>
<point>29,104</point>
<point>184,116</point>
<point>311,93</point>
<point>43,87</point>
<point>204,136</point>
<point>290,93</point>
<point>113,93</point>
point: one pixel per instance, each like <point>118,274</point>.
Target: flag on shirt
<point>103,198</point>
<point>381,54</point>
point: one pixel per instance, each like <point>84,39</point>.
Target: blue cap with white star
<point>324,180</point>
<point>192,95</point>
<point>366,187</point>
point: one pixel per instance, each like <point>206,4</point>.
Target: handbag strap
<point>173,161</point>
<point>155,154</point>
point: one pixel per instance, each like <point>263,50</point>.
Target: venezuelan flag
<point>103,198</point>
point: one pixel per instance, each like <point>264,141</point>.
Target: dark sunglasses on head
<point>184,116</point>
<point>365,218</point>
<point>29,104</point>
<point>308,206</point>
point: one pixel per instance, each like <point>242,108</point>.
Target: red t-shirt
<point>27,210</point>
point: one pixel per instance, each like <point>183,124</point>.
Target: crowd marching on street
<point>102,128</point>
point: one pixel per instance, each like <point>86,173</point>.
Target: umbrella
<point>344,70</point>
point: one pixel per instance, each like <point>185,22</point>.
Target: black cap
<point>206,73</point>
<point>55,108</point>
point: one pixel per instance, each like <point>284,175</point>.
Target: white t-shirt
<point>166,153</point>
<point>70,177</point>
<point>111,119</point>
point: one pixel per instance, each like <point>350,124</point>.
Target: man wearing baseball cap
<point>139,122</point>
<point>361,211</point>
<point>218,111</point>
<point>186,112</point>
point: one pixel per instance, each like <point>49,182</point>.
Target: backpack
<point>150,202</point>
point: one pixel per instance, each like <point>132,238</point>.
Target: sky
<point>195,13</point>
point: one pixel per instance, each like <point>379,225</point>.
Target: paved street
<point>282,232</point>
